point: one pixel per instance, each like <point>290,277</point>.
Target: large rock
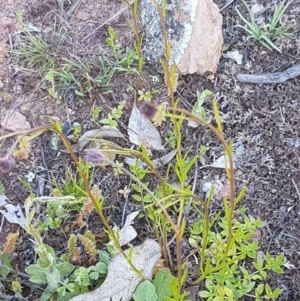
<point>205,45</point>
<point>194,29</point>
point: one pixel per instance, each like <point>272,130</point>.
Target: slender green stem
<point>96,203</point>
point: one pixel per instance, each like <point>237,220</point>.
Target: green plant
<point>82,279</point>
<point>33,51</point>
<point>146,96</point>
<point>198,109</point>
<point>114,115</point>
<point>171,139</point>
<point>76,130</point>
<point>111,41</point>
<point>48,269</point>
<point>72,183</point>
<point>266,33</point>
<point>95,111</point>
<point>227,259</point>
<point>9,275</point>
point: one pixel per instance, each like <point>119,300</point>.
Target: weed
<point>146,96</point>
<point>228,263</point>
<point>171,139</point>
<point>76,130</point>
<point>95,111</point>
<point>114,115</point>
<point>8,273</point>
<point>111,41</point>
<point>266,33</point>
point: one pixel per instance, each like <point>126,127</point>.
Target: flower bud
<point>93,156</point>
<point>148,109</point>
<point>6,163</point>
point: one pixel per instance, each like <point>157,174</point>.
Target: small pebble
<point>283,209</point>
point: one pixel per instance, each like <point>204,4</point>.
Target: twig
<point>125,205</point>
<point>229,2</point>
<point>296,189</point>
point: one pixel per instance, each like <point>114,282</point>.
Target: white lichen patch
<point>180,15</point>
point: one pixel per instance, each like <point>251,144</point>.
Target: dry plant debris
<point>142,131</point>
<point>121,281</point>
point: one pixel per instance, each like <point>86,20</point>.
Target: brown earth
<point>264,118</point>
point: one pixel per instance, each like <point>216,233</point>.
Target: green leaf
<point>38,275</point>
<point>247,288</point>
<point>104,257</point>
<point>53,278</point>
<point>277,270</point>
<point>137,197</point>
<point>204,294</point>
<point>245,273</point>
<point>268,290</point>
<point>145,292</point>
<point>47,293</point>
<point>277,292</point>
<point>259,290</point>
<point>6,266</point>
<point>64,268</point>
<point>162,282</point>
<point>77,92</point>
<point>94,275</point>
<point>42,263</point>
<point>228,292</point>
<point>101,267</point>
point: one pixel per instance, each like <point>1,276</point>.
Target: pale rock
<point>194,30</point>
<point>14,121</point>
<point>205,45</point>
<point>82,15</point>
<point>235,56</point>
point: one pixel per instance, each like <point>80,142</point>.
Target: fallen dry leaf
<point>235,56</point>
<point>121,281</point>
<point>104,132</point>
<point>128,233</point>
<point>12,213</point>
<point>142,131</point>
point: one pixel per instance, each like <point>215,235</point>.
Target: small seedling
<point>76,130</point>
<point>268,32</point>
<point>111,41</point>
<point>114,115</point>
<point>96,110</point>
<point>146,96</point>
<point>171,139</point>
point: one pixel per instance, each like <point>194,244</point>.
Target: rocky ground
<point>263,118</point>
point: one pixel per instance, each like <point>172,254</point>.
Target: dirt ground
<point>263,118</point>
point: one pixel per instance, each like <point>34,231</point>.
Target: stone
<point>205,45</point>
<point>194,30</point>
<point>14,121</point>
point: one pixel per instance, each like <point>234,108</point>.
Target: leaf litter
<point>12,213</point>
<point>141,130</point>
<point>121,280</point>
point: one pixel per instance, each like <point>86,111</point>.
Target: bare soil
<point>264,118</point>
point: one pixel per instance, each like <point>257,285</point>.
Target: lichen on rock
<point>194,30</point>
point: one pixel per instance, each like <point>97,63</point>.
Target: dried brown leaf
<point>142,131</point>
